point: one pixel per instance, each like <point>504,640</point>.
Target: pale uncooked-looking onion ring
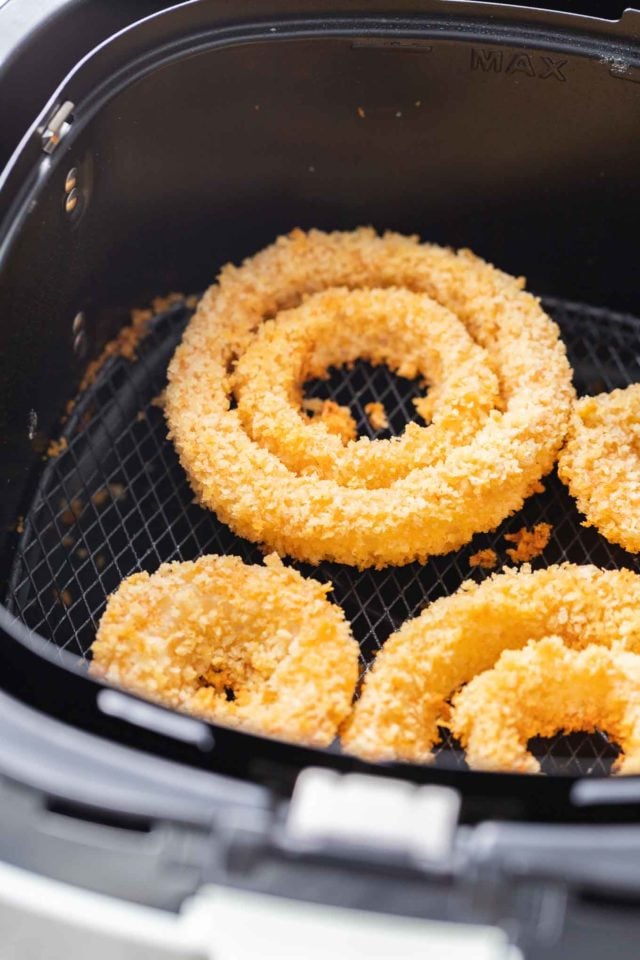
<point>409,332</point>
<point>600,463</point>
<point>405,693</point>
<point>194,635</point>
<point>541,690</point>
<point>434,509</point>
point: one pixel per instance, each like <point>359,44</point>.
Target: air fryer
<point>194,137</point>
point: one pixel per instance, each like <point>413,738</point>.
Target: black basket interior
<point>116,500</point>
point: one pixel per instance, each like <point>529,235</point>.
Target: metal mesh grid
<point>116,501</point>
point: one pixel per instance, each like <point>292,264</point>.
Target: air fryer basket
<point>197,139</point>
<point>116,500</point>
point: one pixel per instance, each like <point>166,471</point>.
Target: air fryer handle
<point>599,859</point>
<point>62,922</point>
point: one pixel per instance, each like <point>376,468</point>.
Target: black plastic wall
<point>527,152</point>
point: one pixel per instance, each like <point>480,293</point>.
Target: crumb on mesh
<point>63,597</point>
<point>158,400</point>
<point>71,510</point>
<point>112,491</point>
<point>160,304</point>
<point>377,415</point>
<point>126,341</point>
<point>487,559</point>
<point>337,418</point>
<point>528,543</point>
<point>56,447</point>
<point>20,524</point>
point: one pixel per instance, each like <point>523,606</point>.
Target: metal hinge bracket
<point>57,126</point>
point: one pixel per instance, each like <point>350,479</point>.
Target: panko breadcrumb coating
<point>528,543</point>
<point>424,662</point>
<point>600,464</point>
<point>487,559</point>
<point>432,510</point>
<point>541,690</point>
<point>336,419</point>
<point>376,415</point>
<point>409,332</point>
<point>194,635</point>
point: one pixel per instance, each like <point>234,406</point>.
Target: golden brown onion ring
<point>192,635</point>
<point>429,511</point>
<point>541,690</point>
<point>600,463</point>
<point>405,693</point>
<point>409,332</point>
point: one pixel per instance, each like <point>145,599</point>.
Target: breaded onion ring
<point>600,463</point>
<point>409,332</point>
<point>406,691</point>
<point>429,511</point>
<point>541,690</point>
<point>194,635</point>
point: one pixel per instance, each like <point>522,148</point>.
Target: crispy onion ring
<point>600,463</point>
<point>435,509</point>
<point>405,694</point>
<point>545,688</point>
<point>194,634</point>
<point>409,332</point>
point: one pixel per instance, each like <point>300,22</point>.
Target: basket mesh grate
<point>116,501</point>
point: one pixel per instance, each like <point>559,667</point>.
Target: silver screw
<point>72,180</point>
<point>80,344</point>
<point>78,322</point>
<point>71,201</point>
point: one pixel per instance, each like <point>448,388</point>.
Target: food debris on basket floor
<point>528,543</point>
<point>376,415</point>
<point>487,559</point>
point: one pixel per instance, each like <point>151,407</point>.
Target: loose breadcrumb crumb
<point>487,559</point>
<point>160,304</point>
<point>71,510</point>
<point>63,597</point>
<point>338,419</point>
<point>528,543</point>
<point>112,491</point>
<point>126,341</point>
<point>56,447</point>
<point>377,415</point>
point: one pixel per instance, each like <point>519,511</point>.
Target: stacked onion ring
<point>234,397</point>
<point>406,694</point>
